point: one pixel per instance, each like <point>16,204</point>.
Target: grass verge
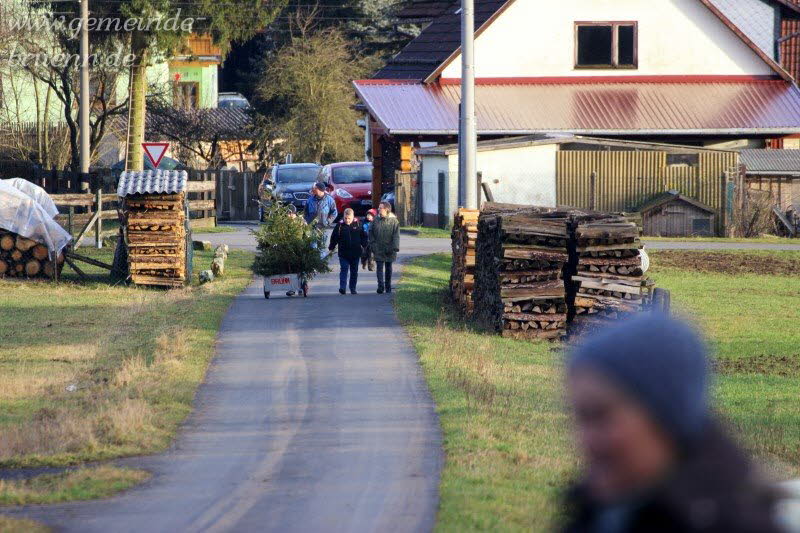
<point>214,229</point>
<point>83,484</point>
<point>94,371</point>
<point>506,432</point>
<point>21,525</point>
<point>432,233</point>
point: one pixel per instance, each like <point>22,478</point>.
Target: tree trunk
<point>138,106</point>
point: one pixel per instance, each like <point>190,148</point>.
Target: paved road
<point>314,416</point>
<point>690,245</point>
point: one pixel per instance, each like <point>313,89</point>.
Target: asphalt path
<point>699,245</point>
<point>314,416</point>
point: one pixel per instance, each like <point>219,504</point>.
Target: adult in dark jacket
<point>351,239</point>
<point>384,239</point>
<point>655,458</point>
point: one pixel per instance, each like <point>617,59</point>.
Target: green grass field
<point>96,370</point>
<point>435,233</point>
<point>507,433</point>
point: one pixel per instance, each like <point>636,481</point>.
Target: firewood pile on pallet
<point>25,258</point>
<point>520,289</point>
<point>155,227</point>
<point>608,279</point>
<point>542,272</point>
<point>462,275</point>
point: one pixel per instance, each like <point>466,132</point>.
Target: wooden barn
<point>672,214</point>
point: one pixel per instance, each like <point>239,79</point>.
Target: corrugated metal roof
<point>599,106</point>
<point>771,161</point>
<point>152,182</point>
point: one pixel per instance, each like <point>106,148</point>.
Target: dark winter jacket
<point>384,238</point>
<point>350,238</point>
<point>715,490</point>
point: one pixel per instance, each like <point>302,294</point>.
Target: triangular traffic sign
<point>155,151</point>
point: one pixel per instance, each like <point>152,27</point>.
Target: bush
<point>288,245</point>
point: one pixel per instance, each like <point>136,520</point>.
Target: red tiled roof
<point>598,106</point>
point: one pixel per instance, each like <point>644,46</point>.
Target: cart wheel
<point>266,294</point>
<point>305,290</point>
<point>661,300</point>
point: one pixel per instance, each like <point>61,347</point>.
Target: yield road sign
<point>155,151</point>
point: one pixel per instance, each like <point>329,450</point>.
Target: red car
<point>350,184</point>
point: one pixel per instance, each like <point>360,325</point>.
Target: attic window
<point>606,45</point>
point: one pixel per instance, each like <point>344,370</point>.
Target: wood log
<point>32,268</point>
<point>7,242</point>
<point>40,252</point>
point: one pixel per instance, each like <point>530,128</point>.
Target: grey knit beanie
<point>661,362</point>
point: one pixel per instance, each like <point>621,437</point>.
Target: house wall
<point>524,175</point>
<point>676,219</point>
<point>676,37</point>
<point>205,75</point>
<point>430,168</point>
<point>521,175</point>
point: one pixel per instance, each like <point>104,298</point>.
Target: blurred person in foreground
<point>655,457</point>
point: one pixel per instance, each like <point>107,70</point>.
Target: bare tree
<point>311,78</point>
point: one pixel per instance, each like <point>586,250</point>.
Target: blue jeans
<point>351,266</point>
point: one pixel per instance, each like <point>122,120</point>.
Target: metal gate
<point>237,193</point>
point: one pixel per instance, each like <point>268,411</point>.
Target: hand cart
<point>291,284</point>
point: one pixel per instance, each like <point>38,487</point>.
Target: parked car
<point>388,197</point>
<point>350,184</point>
<point>232,100</point>
<point>291,183</point>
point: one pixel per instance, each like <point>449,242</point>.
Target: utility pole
<point>468,175</point>
<point>84,100</point>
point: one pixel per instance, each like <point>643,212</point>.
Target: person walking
<point>367,261</point>
<point>384,239</point>
<point>349,236</point>
<point>656,459</point>
<point>320,210</point>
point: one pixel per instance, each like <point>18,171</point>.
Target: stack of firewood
<point>462,275</point>
<point>26,258</point>
<point>519,286</point>
<point>607,277</point>
<point>156,238</point>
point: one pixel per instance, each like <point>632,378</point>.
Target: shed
<point>776,171</point>
<point>672,214</point>
<point>156,226</point>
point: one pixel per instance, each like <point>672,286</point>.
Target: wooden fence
<point>622,181</point>
<point>84,213</point>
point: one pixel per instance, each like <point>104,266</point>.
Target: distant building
<point>714,73</point>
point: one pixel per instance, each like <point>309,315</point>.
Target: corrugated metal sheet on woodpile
<point>626,180</point>
<point>152,182</point>
<point>593,107</point>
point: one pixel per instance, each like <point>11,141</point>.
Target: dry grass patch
<point>507,436</point>
<point>20,525</point>
<point>83,484</point>
<point>508,444</point>
<point>94,371</point>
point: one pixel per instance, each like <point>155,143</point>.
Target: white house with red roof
<point>702,72</point>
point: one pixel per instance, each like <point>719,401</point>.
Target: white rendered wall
<point>675,37</point>
<point>431,166</point>
<point>524,175</point>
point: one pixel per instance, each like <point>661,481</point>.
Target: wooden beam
<point>73,255</point>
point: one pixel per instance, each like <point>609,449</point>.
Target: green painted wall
<point>207,78</point>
